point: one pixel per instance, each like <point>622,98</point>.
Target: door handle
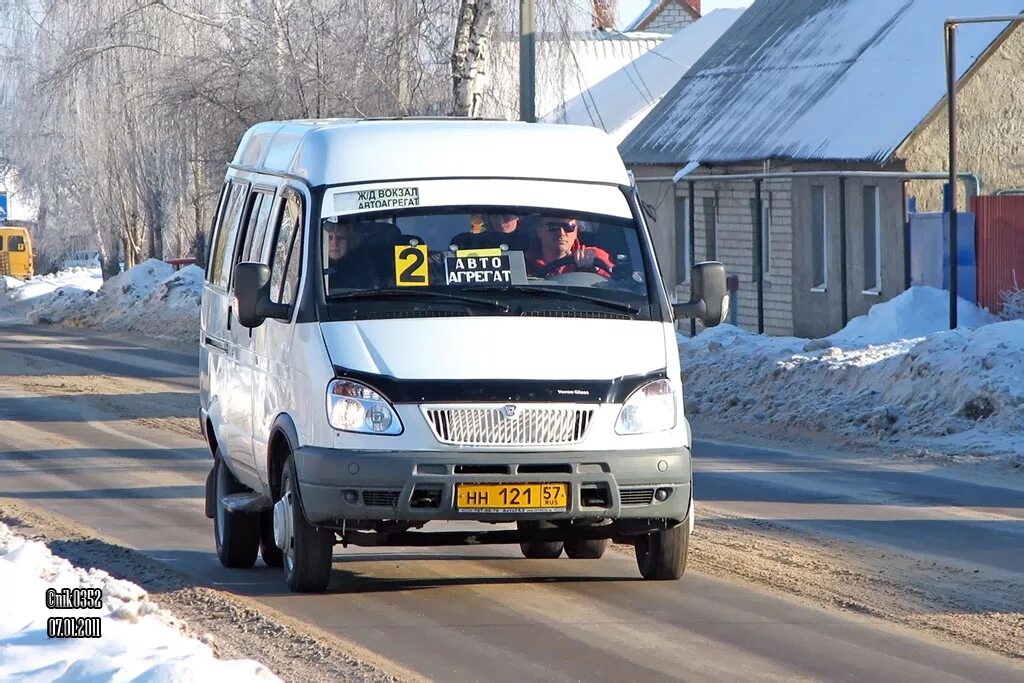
<point>229,317</point>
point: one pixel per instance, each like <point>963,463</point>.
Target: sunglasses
<point>564,227</point>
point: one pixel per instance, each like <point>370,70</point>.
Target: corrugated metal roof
<point>814,80</point>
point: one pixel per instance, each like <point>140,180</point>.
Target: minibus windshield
<point>498,253</point>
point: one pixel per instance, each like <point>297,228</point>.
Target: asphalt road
<point>485,613</point>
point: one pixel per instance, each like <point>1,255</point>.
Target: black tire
<point>309,550</point>
<point>271,554</point>
<point>661,555</point>
<point>539,550</point>
<point>237,534</point>
<point>589,549</point>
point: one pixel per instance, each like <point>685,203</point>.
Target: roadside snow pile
<point>151,298</point>
<point>917,312</point>
<point>894,376</point>
<point>18,297</point>
<point>139,640</point>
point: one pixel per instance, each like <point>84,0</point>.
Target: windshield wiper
<point>559,293</point>
<point>409,292</point>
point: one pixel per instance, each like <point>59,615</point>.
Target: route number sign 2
<point>411,266</point>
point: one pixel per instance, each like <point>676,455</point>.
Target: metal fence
<point>999,239</point>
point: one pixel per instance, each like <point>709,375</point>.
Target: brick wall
<point>670,20</point>
<point>734,222</point>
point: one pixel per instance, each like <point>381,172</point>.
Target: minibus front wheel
<point>661,555</point>
<point>308,550</point>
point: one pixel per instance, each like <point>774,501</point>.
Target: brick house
<point>666,16</point>
<point>827,91</point>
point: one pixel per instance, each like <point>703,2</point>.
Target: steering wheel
<point>569,259</point>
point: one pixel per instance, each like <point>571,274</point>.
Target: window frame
<point>876,234</point>
<point>822,285</point>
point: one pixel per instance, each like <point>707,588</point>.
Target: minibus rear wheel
<point>308,549</point>
<point>586,549</point>
<point>661,555</point>
<point>539,550</point>
<point>237,533</point>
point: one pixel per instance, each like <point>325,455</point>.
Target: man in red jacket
<point>559,241</point>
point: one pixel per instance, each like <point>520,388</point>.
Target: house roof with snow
<point>620,101</point>
<point>837,80</point>
<point>662,14</point>
<point>566,64</point>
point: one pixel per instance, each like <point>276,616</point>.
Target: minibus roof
<point>351,151</point>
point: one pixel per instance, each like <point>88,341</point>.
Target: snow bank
<point>18,297</point>
<point>151,298</point>
<point>139,640</point>
<point>894,376</point>
<point>917,312</point>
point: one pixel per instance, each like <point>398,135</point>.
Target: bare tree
<point>470,56</point>
<point>121,114</point>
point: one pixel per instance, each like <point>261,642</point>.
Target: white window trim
<point>877,289</point>
<point>766,229</point>
<point>688,263</point>
<point>823,286</point>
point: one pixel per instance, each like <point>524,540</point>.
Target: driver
<point>559,241</point>
<point>342,239</point>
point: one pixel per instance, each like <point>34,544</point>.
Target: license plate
<point>512,497</point>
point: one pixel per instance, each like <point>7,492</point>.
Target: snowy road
<point>117,455</point>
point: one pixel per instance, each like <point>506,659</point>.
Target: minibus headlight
<point>651,408</point>
<point>355,407</point>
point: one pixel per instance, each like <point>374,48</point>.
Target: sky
<point>629,9</point>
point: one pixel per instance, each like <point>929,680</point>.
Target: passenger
<point>509,224</point>
<point>559,239</point>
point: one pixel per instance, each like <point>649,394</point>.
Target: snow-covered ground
<point>138,641</point>
<point>151,298</point>
<point>896,377</point>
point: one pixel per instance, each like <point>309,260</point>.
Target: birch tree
<point>470,70</point>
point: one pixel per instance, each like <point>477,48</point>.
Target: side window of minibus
<point>220,268</point>
<point>286,257</point>
<point>258,230</point>
<point>211,234</point>
<point>252,209</point>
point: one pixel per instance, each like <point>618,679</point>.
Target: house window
<point>683,263</point>
<point>872,242</point>
<point>819,238</point>
<point>766,224</point>
<point>711,227</point>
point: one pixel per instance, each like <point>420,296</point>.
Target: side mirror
<point>252,292</point>
<point>709,300</point>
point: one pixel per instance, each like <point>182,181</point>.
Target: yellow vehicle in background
<point>16,252</point>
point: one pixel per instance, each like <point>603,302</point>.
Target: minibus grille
<point>494,426</point>
<point>636,496</point>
